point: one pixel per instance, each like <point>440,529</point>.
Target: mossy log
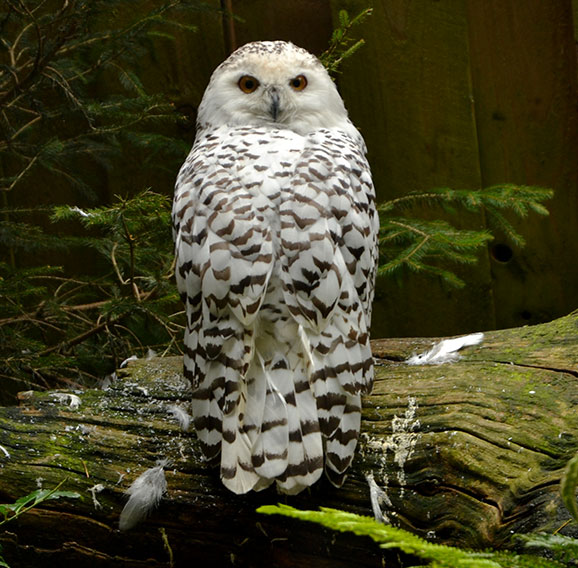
<point>467,453</point>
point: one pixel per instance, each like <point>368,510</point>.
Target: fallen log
<point>467,452</point>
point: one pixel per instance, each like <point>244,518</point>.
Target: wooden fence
<point>448,93</point>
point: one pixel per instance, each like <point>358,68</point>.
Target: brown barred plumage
<point>276,242</point>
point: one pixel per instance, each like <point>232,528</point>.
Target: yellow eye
<point>298,83</point>
<point>248,84</point>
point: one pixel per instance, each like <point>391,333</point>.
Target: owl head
<point>276,84</point>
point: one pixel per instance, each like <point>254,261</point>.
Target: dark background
<point>449,93</point>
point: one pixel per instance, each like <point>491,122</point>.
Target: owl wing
<point>329,229</point>
<point>224,261</point>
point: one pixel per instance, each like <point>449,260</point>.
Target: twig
<point>89,333</point>
<point>21,174</point>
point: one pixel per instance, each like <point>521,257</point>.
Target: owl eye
<point>248,84</point>
<point>298,83</point>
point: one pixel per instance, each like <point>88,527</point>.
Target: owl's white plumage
<point>276,242</point>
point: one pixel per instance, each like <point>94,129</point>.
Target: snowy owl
<point>276,242</point>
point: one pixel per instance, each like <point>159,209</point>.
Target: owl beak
<point>274,108</point>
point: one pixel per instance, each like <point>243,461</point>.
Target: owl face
<point>274,84</point>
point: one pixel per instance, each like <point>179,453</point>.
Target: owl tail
<point>342,369</point>
<point>298,410</point>
<point>277,433</point>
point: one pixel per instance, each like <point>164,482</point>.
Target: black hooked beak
<point>275,102</point>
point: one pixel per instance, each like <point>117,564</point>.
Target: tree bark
<point>467,453</point>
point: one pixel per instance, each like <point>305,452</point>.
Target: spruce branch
<point>132,233</point>
<point>434,555</point>
<point>428,246</point>
<point>342,46</point>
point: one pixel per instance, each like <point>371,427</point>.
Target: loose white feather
<point>181,416</point>
<point>127,361</point>
<point>80,211</point>
<point>446,351</point>
<point>378,497</point>
<point>72,400</point>
<point>145,494</point>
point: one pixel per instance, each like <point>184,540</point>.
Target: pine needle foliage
<point>421,245</point>
<point>342,45</point>
<point>388,537</point>
<point>56,328</point>
<point>562,549</point>
<point>428,246</point>
<point>51,53</point>
<point>71,103</point>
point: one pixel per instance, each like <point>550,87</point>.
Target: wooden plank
<point>524,75</point>
<point>307,23</point>
<point>575,18</point>
<point>409,92</point>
